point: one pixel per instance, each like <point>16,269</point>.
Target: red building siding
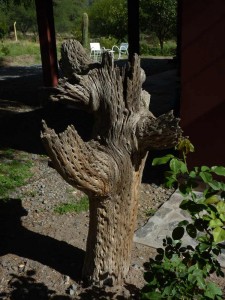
<point>203,79</point>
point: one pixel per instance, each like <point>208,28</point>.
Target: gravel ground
<point>42,251</point>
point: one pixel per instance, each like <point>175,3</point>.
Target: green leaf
<point>221,207</point>
<point>215,185</point>
<point>160,251</point>
<point>205,168</point>
<point>184,189</point>
<point>185,145</point>
<point>193,174</point>
<point>191,231</point>
<point>218,235</point>
<point>215,223</point>
<point>218,170</point>
<point>212,290</point>
<point>151,295</point>
<point>212,200</point>
<point>170,181</point>
<point>177,166</point>
<point>222,187</point>
<point>178,233</point>
<point>183,223</point>
<point>183,167</point>
<point>162,160</point>
<point>203,246</point>
<point>200,224</point>
<point>185,204</point>
<point>206,176</point>
<point>192,207</point>
<point>222,217</point>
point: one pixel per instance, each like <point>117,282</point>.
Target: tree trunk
<point>109,167</point>
<point>111,229</point>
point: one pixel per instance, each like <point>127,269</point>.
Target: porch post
<point>46,29</point>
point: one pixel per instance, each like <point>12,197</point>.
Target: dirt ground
<point>41,251</point>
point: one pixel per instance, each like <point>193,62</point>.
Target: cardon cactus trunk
<point>85,30</point>
<point>108,168</point>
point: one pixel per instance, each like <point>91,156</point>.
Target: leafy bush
<point>108,42</point>
<point>181,271</point>
<point>169,49</point>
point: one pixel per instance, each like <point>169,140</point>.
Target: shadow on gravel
<point>98,293</point>
<point>22,130</point>
<point>16,239</point>
<point>26,288</point>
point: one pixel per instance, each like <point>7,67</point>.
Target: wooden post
<point>46,29</point>
<point>133,27</point>
<point>15,33</point>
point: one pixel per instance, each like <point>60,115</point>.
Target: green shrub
<point>144,48</point>
<point>108,42</point>
<point>169,49</point>
<point>182,271</point>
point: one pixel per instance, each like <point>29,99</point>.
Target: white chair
<point>96,51</point>
<point>122,49</point>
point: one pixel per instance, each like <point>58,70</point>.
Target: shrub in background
<point>108,42</point>
<point>169,49</point>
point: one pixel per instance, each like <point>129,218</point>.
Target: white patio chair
<point>96,51</point>
<point>122,49</point>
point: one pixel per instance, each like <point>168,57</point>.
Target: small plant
<point>73,206</point>
<point>5,50</point>
<point>181,271</point>
<point>150,212</point>
<point>14,172</point>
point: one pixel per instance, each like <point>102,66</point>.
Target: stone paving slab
<point>162,224</point>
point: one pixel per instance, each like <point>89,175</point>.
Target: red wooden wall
<point>203,79</point>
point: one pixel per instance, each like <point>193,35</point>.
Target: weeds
<point>14,171</point>
<point>150,212</point>
<point>73,206</point>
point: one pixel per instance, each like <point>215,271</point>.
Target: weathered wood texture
<point>109,167</point>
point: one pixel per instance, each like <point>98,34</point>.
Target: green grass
<point>150,212</point>
<point>15,170</point>
<point>73,206</point>
<point>23,52</point>
<point>26,49</point>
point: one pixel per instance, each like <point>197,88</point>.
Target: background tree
<point>22,12</point>
<point>159,16</point>
<point>25,16</point>
<point>4,20</point>
<point>68,14</point>
<point>108,18</point>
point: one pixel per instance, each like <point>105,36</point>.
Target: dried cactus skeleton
<point>109,167</point>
